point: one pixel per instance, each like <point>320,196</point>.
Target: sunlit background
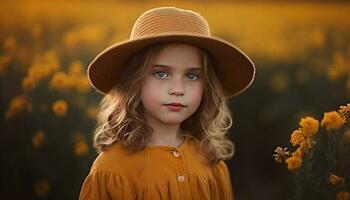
<point>301,51</point>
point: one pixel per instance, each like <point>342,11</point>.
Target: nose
<point>177,88</point>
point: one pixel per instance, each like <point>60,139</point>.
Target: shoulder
<point>108,177</point>
<point>223,181</point>
<point>221,165</point>
<point>221,170</point>
<point>116,159</point>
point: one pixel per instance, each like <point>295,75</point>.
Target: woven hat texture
<point>233,67</point>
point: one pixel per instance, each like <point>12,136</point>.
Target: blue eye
<point>161,73</point>
<point>193,75</point>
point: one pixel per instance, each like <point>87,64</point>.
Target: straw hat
<point>234,69</point>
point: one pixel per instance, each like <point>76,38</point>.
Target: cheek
<point>196,94</point>
<point>149,93</point>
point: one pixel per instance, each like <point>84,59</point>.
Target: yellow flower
<point>17,105</point>
<point>49,59</point>
<point>42,67</point>
<point>35,72</point>
<point>343,195</point>
<point>39,71</point>
<point>42,187</point>
<point>81,148</point>
<point>87,34</point>
<point>332,120</point>
<point>309,126</point>
<point>60,107</point>
<point>38,139</point>
<point>60,81</point>
<point>335,180</point>
<point>76,68</point>
<point>344,111</point>
<point>281,154</point>
<point>29,83</point>
<point>297,153</point>
<point>293,162</point>
<point>297,137</point>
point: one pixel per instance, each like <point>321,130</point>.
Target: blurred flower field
<point>321,161</point>
<point>48,109</point>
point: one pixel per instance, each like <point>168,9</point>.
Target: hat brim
<point>234,68</point>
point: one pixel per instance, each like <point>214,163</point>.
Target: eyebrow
<point>170,67</point>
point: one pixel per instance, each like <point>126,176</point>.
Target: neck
<point>165,134</point>
<point>165,139</point>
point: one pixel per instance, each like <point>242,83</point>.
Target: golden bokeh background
<point>301,50</point>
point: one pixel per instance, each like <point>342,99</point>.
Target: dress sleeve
<point>104,185</point>
<point>222,176</point>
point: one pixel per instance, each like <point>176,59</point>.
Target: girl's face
<point>174,76</point>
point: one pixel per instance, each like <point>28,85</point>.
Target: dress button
<point>180,178</point>
<point>176,154</point>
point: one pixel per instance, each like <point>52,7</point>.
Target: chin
<point>172,121</point>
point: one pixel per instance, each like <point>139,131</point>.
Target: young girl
<point>162,124</point>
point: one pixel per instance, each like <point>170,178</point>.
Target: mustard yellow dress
<point>158,172</point>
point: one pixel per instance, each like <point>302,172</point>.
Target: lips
<point>175,107</point>
<point>175,104</point>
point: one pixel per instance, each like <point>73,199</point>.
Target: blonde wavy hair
<point>120,118</point>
